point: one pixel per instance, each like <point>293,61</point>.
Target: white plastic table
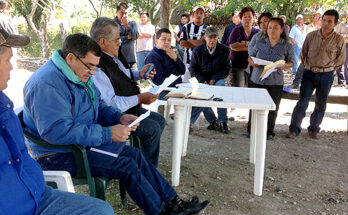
<point>258,100</point>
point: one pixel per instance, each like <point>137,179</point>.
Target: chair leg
<point>123,195</point>
<point>100,185</point>
<point>166,112</point>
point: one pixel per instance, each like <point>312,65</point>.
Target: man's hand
<point>128,119</point>
<point>212,82</point>
<point>146,98</point>
<point>143,71</point>
<point>171,53</point>
<point>120,133</point>
<point>124,21</point>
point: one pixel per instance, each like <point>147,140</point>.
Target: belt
<point>321,69</point>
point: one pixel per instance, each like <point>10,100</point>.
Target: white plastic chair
<point>61,178</point>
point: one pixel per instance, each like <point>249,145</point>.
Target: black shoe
<point>224,128</point>
<point>270,136</point>
<point>180,207</point>
<point>213,125</point>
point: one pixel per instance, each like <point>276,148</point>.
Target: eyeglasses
<point>91,71</point>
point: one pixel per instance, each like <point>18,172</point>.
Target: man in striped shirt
<point>192,36</point>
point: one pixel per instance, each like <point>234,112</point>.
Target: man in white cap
<point>23,190</point>
<point>297,36</point>
<point>192,36</point>
<point>286,27</point>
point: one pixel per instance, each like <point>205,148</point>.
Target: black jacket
<point>206,67</point>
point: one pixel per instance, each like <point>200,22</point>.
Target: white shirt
<point>145,44</point>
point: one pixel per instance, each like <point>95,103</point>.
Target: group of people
<point>87,94</point>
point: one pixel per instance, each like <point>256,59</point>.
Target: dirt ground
<point>302,176</point>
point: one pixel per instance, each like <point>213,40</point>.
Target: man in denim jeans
<point>322,53</point>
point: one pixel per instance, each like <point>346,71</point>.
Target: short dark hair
<point>146,14</point>
<point>266,14</point>
<point>282,25</point>
<point>246,9</point>
<point>79,45</point>
<point>122,5</point>
<point>5,4</point>
<point>184,15</point>
<point>162,30</point>
<point>332,12</point>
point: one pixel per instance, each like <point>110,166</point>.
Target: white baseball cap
<point>299,16</point>
<point>198,7</point>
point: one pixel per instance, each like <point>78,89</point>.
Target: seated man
<point>165,59</point>
<point>210,64</point>
<point>123,92</point>
<point>22,185</point>
<point>63,106</point>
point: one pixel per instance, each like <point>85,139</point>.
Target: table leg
<point>187,129</point>
<point>178,136</point>
<point>253,136</point>
<point>261,131</point>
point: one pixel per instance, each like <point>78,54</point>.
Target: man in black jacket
<point>210,64</point>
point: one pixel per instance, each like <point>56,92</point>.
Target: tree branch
<point>95,9</point>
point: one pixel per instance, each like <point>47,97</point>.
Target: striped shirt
<point>192,32</point>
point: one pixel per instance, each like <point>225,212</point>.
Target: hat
<point>13,40</point>
<point>299,16</point>
<point>283,16</point>
<point>211,31</point>
<point>198,7</point>
<point>320,11</point>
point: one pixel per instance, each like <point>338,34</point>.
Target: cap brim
<point>14,40</point>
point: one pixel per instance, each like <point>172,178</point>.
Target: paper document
<point>168,81</point>
<point>259,61</point>
<point>104,152</point>
<point>188,85</point>
<point>194,84</point>
<point>140,118</point>
<point>268,72</point>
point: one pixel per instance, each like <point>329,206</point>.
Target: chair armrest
<point>61,178</point>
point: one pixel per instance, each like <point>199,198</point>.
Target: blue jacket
<point>164,66</point>
<point>61,111</point>
<point>21,180</point>
<point>206,67</point>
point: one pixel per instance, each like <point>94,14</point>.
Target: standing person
<point>238,42</point>
<point>286,27</point>
<point>297,36</point>
<point>192,36</point>
<point>128,31</point>
<point>63,106</point>
<point>145,40</point>
<point>323,52</point>
<point>210,64</point>
<point>273,47</point>
<point>315,25</point>
<point>23,190</point>
<point>6,21</point>
<point>230,27</point>
<point>342,72</point>
<point>177,31</point>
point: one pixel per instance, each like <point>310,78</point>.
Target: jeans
<point>342,72</point>
<point>321,82</point>
<point>299,74</point>
<point>297,53</point>
<point>149,131</point>
<point>144,184</point>
<point>275,91</point>
<point>141,59</point>
<point>238,77</point>
<point>61,203</point>
<point>208,112</point>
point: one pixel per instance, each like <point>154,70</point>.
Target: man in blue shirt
<point>235,22</point>
<point>22,186</point>
<point>118,87</point>
<point>63,106</point>
<point>297,36</point>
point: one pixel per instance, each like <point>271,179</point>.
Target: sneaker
<point>224,128</point>
<point>180,207</point>
<point>213,125</point>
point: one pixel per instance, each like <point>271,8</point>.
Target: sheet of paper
<point>168,81</point>
<point>270,71</point>
<point>188,85</point>
<point>260,61</point>
<point>140,118</point>
<point>154,90</point>
<point>194,84</point>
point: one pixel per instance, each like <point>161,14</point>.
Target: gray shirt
<point>283,50</point>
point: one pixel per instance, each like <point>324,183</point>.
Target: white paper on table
<point>194,84</point>
<point>259,61</point>
<point>168,81</point>
<point>140,118</point>
<point>270,71</point>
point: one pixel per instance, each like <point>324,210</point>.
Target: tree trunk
<point>43,38</point>
<point>165,10</point>
<point>63,33</point>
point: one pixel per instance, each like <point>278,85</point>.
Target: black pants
<point>275,91</point>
